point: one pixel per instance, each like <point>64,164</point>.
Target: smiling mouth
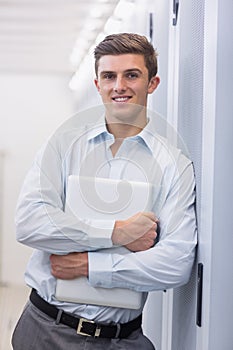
<point>121,98</point>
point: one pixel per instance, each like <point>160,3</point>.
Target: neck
<point>121,131</point>
<point>121,128</point>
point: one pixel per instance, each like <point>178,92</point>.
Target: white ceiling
<point>39,35</point>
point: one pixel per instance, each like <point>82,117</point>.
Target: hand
<point>145,242</point>
<point>69,266</point>
<point>136,233</point>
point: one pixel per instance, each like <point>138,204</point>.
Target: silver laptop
<point>108,199</point>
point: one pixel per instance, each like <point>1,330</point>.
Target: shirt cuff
<point>99,232</point>
<point>100,269</point>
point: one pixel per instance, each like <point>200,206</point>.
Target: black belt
<point>84,326</point>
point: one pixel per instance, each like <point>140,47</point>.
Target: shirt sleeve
<point>169,263</point>
<point>41,222</point>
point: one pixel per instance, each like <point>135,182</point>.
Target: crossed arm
<point>72,244</point>
<point>138,233</point>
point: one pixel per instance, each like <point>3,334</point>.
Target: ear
<point>153,84</point>
<point>97,84</point>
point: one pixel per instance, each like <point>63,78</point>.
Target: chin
<point>124,112</point>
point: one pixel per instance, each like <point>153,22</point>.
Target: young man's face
<point>123,82</point>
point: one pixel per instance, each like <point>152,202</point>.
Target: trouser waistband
<point>83,326</point>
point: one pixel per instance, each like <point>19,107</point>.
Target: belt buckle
<point>80,325</point>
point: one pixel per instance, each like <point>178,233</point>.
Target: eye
<point>108,76</point>
<point>132,75</point>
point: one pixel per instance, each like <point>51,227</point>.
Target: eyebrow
<point>133,70</point>
<point>126,71</point>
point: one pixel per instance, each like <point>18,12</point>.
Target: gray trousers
<point>37,331</point>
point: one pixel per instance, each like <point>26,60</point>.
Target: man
<point>125,145</point>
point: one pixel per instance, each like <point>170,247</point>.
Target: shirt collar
<point>94,130</point>
<point>147,135</point>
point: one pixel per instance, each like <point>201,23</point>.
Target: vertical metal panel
<point>207,172</point>
<point>190,112</point>
<point>221,292</point>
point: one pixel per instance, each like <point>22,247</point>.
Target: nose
<point>120,85</point>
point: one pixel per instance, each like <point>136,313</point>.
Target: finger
<point>152,234</point>
<point>152,227</point>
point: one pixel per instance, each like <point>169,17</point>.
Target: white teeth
<point>121,99</point>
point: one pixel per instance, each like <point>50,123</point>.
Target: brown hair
<point>123,43</point>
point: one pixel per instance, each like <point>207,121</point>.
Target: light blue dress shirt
<point>42,224</point>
